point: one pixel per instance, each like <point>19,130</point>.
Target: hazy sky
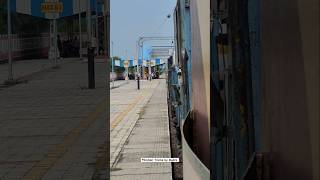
<point>130,19</point>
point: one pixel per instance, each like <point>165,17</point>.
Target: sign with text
<point>51,7</point>
<point>161,160</point>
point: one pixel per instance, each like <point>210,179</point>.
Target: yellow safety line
<point>40,168</point>
<point>120,116</point>
<point>101,162</point>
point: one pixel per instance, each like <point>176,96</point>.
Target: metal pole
<point>80,32</point>
<point>138,65</point>
<point>127,68</point>
<point>137,70</point>
<point>10,75</point>
<point>55,41</point>
<point>112,63</point>
<point>97,27</point>
<point>106,16</point>
<point>149,70</point>
<point>91,73</point>
<point>142,59</point>
<point>89,23</point>
<point>136,57</point>
<point>51,50</point>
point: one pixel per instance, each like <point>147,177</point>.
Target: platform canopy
<point>145,63</point>
<point>52,9</point>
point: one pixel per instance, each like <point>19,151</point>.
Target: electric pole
<point>80,32</point>
<point>10,75</point>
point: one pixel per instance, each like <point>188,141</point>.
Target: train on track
<point>244,89</point>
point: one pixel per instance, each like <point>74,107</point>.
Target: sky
<point>130,19</point>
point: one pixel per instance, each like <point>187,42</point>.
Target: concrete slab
<point>149,138</point>
<point>52,127</point>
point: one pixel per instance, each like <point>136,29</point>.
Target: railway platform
<point>139,129</point>
<point>53,127</point>
<point>118,83</point>
<point>25,69</point>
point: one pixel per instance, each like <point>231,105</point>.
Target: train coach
<point>244,87</point>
